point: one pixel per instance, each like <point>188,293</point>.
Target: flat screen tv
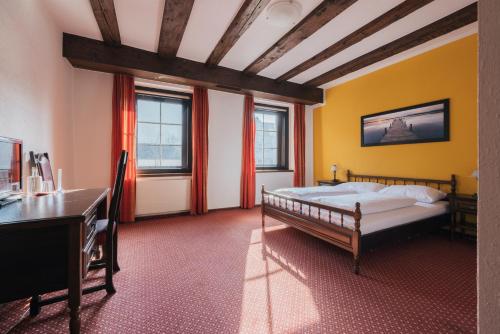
<point>11,153</point>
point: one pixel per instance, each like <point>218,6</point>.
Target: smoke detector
<point>283,13</point>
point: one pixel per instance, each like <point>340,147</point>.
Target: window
<point>163,131</point>
<point>271,137</point>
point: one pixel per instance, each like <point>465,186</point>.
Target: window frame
<point>187,154</point>
<point>283,138</point>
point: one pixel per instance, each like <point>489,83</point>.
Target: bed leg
<point>263,219</point>
<point>356,240</point>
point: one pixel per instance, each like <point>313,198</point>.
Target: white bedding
<point>309,192</point>
<point>370,202</point>
<point>383,220</point>
<point>370,222</point>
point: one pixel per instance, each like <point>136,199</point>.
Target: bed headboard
<point>451,184</point>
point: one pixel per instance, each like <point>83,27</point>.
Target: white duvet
<point>379,212</point>
<point>309,192</point>
<point>370,202</point>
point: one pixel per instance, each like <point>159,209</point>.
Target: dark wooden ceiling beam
<point>95,55</point>
<point>248,12</point>
<point>441,27</point>
<point>175,18</point>
<point>393,15</point>
<point>105,15</point>
<point>317,18</point>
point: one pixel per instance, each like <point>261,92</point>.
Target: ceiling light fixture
<point>283,13</point>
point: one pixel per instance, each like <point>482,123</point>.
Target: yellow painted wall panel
<point>446,72</point>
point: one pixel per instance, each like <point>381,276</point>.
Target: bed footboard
<point>322,221</point>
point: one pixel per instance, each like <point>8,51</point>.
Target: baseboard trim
<point>223,209</point>
<point>181,213</point>
<point>161,215</point>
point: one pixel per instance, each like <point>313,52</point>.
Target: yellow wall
<point>446,72</point>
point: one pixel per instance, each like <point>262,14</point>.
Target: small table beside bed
<point>364,211</point>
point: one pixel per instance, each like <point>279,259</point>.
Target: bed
<point>345,226</point>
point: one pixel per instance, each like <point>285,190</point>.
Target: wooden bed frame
<point>339,235</point>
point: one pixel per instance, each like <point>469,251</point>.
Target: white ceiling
<point>140,21</point>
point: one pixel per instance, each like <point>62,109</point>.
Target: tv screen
<point>11,153</point>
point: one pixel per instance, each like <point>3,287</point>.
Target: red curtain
<point>200,151</point>
<point>247,184</point>
<point>299,128</point>
<point>123,138</point>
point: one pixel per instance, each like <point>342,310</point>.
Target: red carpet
<point>219,274</point>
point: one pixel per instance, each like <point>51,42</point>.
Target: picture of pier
<point>428,122</point>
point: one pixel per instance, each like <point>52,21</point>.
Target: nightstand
<point>461,207</point>
<point>329,182</point>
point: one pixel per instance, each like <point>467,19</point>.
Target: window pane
<point>270,157</point>
<point>148,156</point>
<point>259,157</point>
<point>171,112</point>
<point>259,140</point>
<point>171,134</point>
<point>270,139</point>
<point>259,148</point>
<point>270,146</point>
<point>271,122</point>
<point>171,156</point>
<point>161,133</point>
<point>148,110</point>
<point>259,120</point>
<point>148,133</point>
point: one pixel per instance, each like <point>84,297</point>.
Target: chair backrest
<point>114,207</point>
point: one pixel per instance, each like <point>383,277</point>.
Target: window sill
<point>274,171</point>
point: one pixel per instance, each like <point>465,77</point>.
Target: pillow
<point>360,187</point>
<point>419,193</point>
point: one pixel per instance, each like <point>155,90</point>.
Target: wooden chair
<point>106,237</point>
<point>107,229</point>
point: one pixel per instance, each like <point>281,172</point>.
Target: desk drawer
<point>90,229</point>
<point>87,254</point>
<point>89,241</point>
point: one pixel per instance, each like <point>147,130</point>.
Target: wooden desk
<point>46,244</point>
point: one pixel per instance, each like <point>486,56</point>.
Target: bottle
<point>34,182</point>
<point>59,180</point>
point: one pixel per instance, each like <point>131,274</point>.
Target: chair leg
<point>116,267</point>
<point>35,305</point>
<point>108,255</point>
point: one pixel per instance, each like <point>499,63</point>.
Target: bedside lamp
<point>333,169</point>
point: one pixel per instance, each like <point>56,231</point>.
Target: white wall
<point>92,105</point>
<point>489,170</point>
<point>35,89</point>
<point>157,195</point>
<point>224,149</point>
<point>271,181</point>
<point>66,112</point>
<point>92,128</point>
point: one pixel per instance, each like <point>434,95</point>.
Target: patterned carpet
<point>220,274</point>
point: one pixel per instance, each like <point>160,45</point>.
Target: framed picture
<point>422,123</point>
